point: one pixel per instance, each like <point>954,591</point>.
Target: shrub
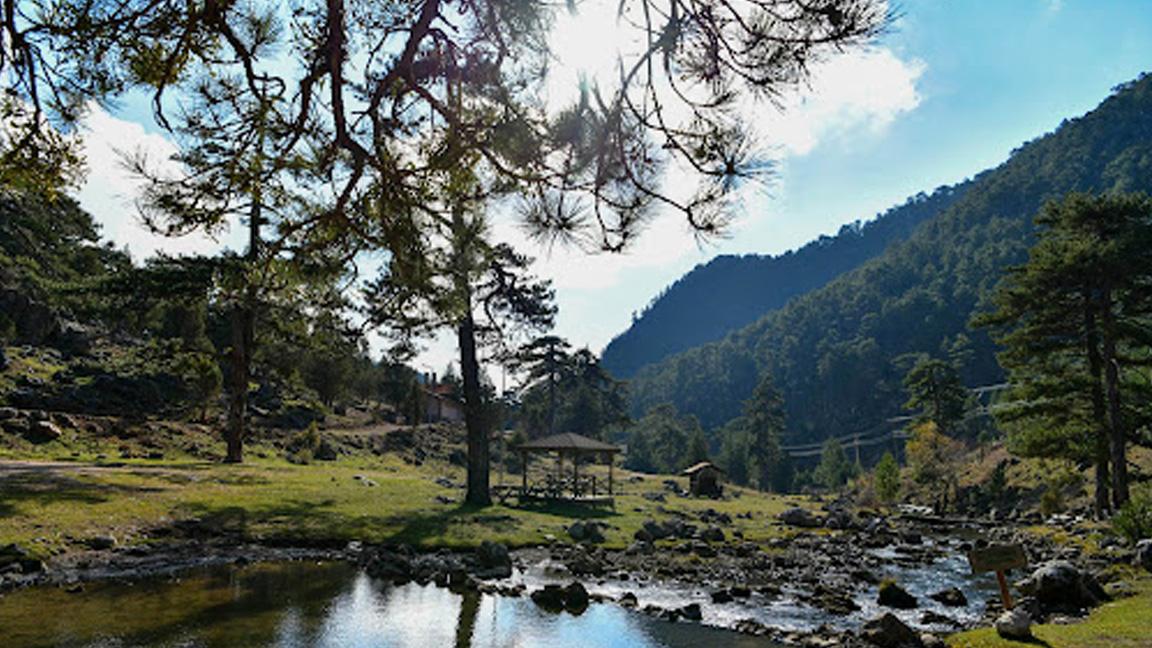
<point>887,478</point>
<point>1134,520</point>
<point>303,445</point>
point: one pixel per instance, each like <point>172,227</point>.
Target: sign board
<point>997,558</point>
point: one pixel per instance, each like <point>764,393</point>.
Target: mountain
<point>730,291</point>
<point>837,352</point>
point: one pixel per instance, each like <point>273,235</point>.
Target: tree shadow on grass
<point>319,523</point>
<point>47,487</point>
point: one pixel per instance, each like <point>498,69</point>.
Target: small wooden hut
<point>704,479</point>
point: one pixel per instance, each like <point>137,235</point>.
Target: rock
<point>391,565</point>
<point>713,534</point>
<point>1058,586</point>
<point>1144,554</point>
<point>1015,624</point>
<point>692,612</point>
<point>890,632</point>
<point>952,597</point>
<point>721,596</point>
<point>642,535</point>
<point>656,530</point>
<point>839,519</point>
<point>800,517</point>
<point>935,618</point>
<point>7,413</point>
<point>43,432</point>
<point>551,598</point>
<point>554,598</point>
<point>494,560</point>
<point>582,531</point>
<point>628,600</point>
<point>100,543</point>
<point>583,564</point>
<point>575,598</point>
<point>894,596</point>
<point>14,558</point>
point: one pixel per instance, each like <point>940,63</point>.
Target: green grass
<point>1125,623</point>
<point>50,511</point>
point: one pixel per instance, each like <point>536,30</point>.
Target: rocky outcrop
<point>1059,586</point>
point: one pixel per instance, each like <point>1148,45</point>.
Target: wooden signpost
<point>998,558</point>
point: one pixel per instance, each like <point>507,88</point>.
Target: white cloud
<point>860,92</point>
<point>109,191</point>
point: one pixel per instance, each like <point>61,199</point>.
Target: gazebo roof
<point>701,466</point>
<point>569,441</point>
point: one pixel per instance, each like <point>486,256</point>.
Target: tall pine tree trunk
<point>1100,439</point>
<point>1115,414</point>
<point>243,340</point>
<point>478,490</point>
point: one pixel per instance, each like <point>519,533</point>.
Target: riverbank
<point>796,570</point>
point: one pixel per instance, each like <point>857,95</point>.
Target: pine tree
<point>1071,321</point>
<point>764,418</point>
<point>887,478</point>
<point>936,394</point>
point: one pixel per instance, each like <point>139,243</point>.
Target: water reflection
<point>328,606</point>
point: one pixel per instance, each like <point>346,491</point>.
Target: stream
<point>335,604</point>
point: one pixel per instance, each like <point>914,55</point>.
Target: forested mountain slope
<point>730,291</point>
<point>835,352</point>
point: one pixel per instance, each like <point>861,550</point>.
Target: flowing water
<point>303,604</point>
<point>290,605</point>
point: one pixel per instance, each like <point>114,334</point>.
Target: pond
<point>290,605</point>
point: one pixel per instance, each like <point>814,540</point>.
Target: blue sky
<point>949,92</point>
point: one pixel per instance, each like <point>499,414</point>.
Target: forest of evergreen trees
<point>838,354</point>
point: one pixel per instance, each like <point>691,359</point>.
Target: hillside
<point>730,291</point>
<point>835,352</point>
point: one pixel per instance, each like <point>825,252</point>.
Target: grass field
<point>1125,623</point>
<point>53,507</point>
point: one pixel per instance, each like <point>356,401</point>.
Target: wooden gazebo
<point>557,485</point>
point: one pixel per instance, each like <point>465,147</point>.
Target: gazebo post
<point>611,460</point>
<point>576,474</point>
<point>523,473</point>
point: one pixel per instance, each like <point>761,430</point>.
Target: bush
<point>887,478</point>
<point>303,445</point>
<point>1134,520</point>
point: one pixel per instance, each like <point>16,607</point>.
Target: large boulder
<point>1144,554</point>
<point>894,596</point>
<point>890,632</point>
<point>1058,586</point>
<point>800,517</point>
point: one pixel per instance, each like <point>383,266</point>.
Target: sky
<point>949,91</point>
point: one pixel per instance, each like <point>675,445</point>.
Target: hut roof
<point>691,470</point>
<point>569,441</point>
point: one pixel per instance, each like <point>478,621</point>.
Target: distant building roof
<point>569,441</point>
<point>691,470</point>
